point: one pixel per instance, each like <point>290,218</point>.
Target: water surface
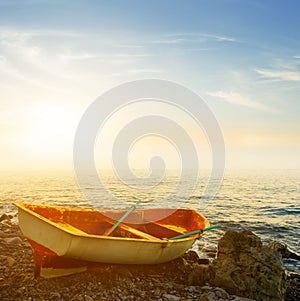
<point>263,201</point>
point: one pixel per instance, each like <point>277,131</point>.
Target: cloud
<point>202,37</point>
<point>146,70</point>
<point>27,60</point>
<point>240,100</point>
<point>53,59</point>
<point>136,72</point>
<point>168,41</point>
<point>189,37</point>
<point>285,75</point>
<point>219,38</point>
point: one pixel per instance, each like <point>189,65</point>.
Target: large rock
<point>245,267</point>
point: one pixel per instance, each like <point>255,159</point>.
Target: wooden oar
<point>193,232</point>
<point>132,208</point>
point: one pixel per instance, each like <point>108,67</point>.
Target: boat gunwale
<point>22,206</point>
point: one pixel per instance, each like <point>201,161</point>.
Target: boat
<point>69,239</point>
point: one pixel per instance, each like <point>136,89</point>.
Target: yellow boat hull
<point>76,234</point>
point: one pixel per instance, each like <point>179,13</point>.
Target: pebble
<point>221,293</point>
<point>209,297</point>
<point>237,298</point>
<point>206,288</point>
<point>78,297</point>
<point>4,217</point>
<point>55,295</point>
<point>204,261</point>
<point>13,240</point>
<point>192,288</point>
<point>11,261</point>
<point>6,223</point>
<point>171,297</point>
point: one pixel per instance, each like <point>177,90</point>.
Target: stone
<point>237,298</point>
<point>4,217</point>
<point>284,250</point>
<point>88,298</point>
<point>11,261</point>
<point>206,288</point>
<point>78,297</point>
<point>55,296</point>
<point>191,256</point>
<point>13,240</point>
<point>221,293</point>
<point>200,275</point>
<point>192,288</point>
<point>246,268</point>
<point>210,296</point>
<point>171,297</point>
<point>204,261</point>
<point>6,223</point>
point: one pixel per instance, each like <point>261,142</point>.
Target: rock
<point>4,217</point>
<point>204,261</point>
<point>11,261</point>
<point>221,293</point>
<point>200,275</point>
<point>88,298</point>
<point>26,244</point>
<point>237,298</point>
<point>192,288</point>
<point>55,296</point>
<point>6,223</point>
<point>13,240</point>
<point>246,268</point>
<point>78,297</point>
<point>206,288</point>
<point>171,297</point>
<point>191,256</point>
<point>210,296</point>
<point>284,250</point>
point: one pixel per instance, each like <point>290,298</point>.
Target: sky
<point>241,56</point>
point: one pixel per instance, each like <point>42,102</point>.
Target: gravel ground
<point>162,282</point>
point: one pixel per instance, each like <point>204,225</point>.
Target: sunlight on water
<point>265,202</point>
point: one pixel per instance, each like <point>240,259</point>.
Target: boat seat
<point>134,231</point>
<point>70,228</point>
<point>127,228</point>
<point>139,233</point>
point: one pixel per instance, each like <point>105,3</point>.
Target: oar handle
<point>133,207</point>
<point>194,232</point>
<point>110,230</point>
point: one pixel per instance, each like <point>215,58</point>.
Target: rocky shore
<point>244,269</point>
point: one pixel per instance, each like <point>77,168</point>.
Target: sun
<point>50,130</point>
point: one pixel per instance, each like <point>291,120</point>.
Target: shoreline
<point>169,281</point>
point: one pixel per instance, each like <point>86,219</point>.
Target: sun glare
<point>50,130</point>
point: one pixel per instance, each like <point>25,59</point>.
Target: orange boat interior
<point>137,225</point>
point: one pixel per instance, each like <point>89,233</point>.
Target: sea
<point>266,202</point>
